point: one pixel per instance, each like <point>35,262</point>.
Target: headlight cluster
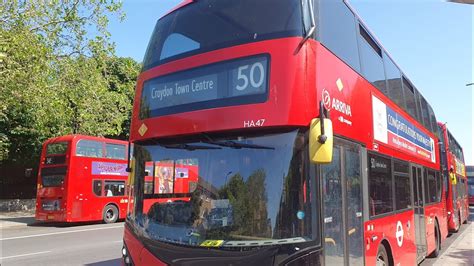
<point>127,259</point>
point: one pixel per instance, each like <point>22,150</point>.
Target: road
<point>90,244</point>
<point>87,244</point>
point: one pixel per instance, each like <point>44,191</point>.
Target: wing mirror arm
<point>322,115</point>
<point>129,168</point>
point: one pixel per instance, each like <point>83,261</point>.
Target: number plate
<point>212,243</point>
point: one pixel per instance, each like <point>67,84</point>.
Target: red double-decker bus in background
<point>82,178</point>
<point>310,145</point>
<point>452,163</point>
<point>470,183</point>
<point>168,177</point>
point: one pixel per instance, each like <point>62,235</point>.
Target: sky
<point>430,40</point>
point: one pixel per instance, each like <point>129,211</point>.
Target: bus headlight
<point>124,251</point>
<point>127,261</point>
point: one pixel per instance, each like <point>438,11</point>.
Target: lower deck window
<point>112,188</point>
<point>97,187</point>
<point>380,185</point>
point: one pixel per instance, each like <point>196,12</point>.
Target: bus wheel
<point>435,252</point>
<point>458,225</point>
<point>382,257</point>
<point>465,221</point>
<point>110,214</point>
<point>460,219</point>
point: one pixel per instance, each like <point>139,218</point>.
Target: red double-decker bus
<point>470,183</point>
<point>310,144</point>
<point>452,163</point>
<point>168,177</point>
<point>82,178</point>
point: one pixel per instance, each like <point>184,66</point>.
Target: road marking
<point>24,255</point>
<point>60,233</point>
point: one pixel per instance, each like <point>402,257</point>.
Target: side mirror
<point>321,141</point>
<point>453,178</point>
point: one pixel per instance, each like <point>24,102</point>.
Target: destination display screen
<point>234,82</point>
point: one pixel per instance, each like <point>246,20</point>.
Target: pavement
<point>16,219</point>
<point>461,251</point>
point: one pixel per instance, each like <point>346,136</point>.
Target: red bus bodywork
<point>181,185</point>
<point>470,183</point>
<point>297,83</point>
<point>75,197</point>
<point>457,202</point>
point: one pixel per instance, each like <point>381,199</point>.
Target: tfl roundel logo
<point>326,99</point>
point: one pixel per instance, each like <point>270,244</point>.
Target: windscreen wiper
<point>238,145</point>
<point>189,147</point>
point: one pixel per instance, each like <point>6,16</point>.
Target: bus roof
<point>184,3</point>
<point>68,138</point>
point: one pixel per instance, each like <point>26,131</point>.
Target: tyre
<point>458,226</point>
<point>382,257</point>
<point>459,220</point>
<point>435,253</point>
<point>110,214</point>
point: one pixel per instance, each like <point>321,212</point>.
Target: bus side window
<point>115,151</point>
<point>114,188</point>
<point>380,185</point>
<point>97,187</point>
<point>89,148</point>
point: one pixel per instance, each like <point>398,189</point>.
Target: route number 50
<point>249,77</point>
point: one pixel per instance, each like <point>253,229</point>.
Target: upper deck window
<point>337,31</point>
<point>410,99</point>
<point>115,151</point>
<point>177,44</point>
<point>89,148</point>
<point>208,25</point>
<point>394,81</point>
<point>56,148</point>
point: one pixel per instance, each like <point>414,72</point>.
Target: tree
<point>59,75</point>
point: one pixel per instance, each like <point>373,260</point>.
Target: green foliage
<point>249,203</point>
<point>59,75</point>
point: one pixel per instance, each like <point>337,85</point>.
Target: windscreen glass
<point>207,25</point>
<point>226,193</point>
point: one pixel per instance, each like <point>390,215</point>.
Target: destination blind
<point>233,82</point>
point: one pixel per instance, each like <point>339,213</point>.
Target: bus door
<point>419,210</point>
<point>342,206</point>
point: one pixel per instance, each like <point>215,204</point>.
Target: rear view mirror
<point>453,178</point>
<point>321,141</point>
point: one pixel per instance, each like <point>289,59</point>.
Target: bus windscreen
<point>226,23</point>
<point>240,191</point>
